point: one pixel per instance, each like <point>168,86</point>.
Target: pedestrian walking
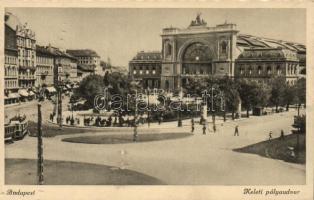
<point>135,132</point>
<point>214,128</point>
<point>204,129</point>
<point>270,135</point>
<point>236,131</point>
<point>192,123</point>
<point>282,135</point>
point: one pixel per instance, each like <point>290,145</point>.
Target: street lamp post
<point>148,110</point>
<point>135,120</point>
<point>179,111</point>
<point>59,118</point>
<point>40,159</point>
<point>212,107</point>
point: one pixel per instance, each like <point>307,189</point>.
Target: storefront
<point>31,95</point>
<point>50,91</point>
<point>24,94</point>
<point>11,98</point>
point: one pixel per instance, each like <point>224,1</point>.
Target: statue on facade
<point>198,21</point>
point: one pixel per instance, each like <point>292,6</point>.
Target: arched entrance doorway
<point>196,62</point>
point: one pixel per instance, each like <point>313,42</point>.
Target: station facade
<point>203,51</point>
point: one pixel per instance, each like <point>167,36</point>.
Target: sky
<point>119,33</point>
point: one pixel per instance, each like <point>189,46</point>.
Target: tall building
<point>26,54</point>
<point>145,67</point>
<point>26,44</point>
<point>44,67</point>
<point>87,57</point>
<point>10,67</point>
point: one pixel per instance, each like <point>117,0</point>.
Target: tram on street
<point>16,129</point>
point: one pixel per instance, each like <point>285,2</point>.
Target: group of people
<point>111,121</point>
<point>205,126</point>
<point>236,129</point>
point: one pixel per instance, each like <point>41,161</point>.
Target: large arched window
<point>259,70</point>
<point>278,70</point>
<point>223,47</point>
<point>197,52</point>
<point>168,48</point>
<point>268,70</point>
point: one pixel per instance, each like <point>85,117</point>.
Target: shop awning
<point>23,93</point>
<point>14,96</point>
<point>51,89</point>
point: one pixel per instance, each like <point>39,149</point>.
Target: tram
<point>9,132</point>
<point>17,128</point>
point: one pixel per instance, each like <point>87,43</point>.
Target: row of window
<point>291,69</point>
<point>10,60</point>
<point>144,68</point>
<point>144,71</point>
<point>65,69</point>
<point>290,82</point>
<point>10,71</point>
<point>10,84</point>
<point>186,70</point>
<point>44,60</point>
<point>88,62</point>
<point>26,53</point>
<point>26,63</point>
<point>26,83</point>
<point>25,42</point>
<point>42,69</point>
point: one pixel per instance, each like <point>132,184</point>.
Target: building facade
<point>73,73</point>
<point>145,67</point>
<point>263,63</point>
<point>203,51</point>
<point>63,67</point>
<point>26,46</point>
<point>198,50</point>
<point>83,71</point>
<point>11,70</point>
<point>25,43</point>
<point>87,57</point>
<point>44,67</point>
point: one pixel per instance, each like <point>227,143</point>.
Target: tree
<point>245,92</point>
<point>277,91</point>
<point>195,85</point>
<point>289,96</point>
<point>253,94</point>
<point>261,94</point>
<point>89,87</point>
<point>300,92</point>
<point>230,90</point>
<point>123,86</point>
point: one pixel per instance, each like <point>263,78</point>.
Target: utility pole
<point>212,107</point>
<point>148,111</point>
<point>40,160</point>
<point>60,105</point>
<point>135,120</point>
<point>179,111</point>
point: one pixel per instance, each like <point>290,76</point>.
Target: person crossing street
<point>192,124</point>
<point>204,129</point>
<point>236,131</point>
